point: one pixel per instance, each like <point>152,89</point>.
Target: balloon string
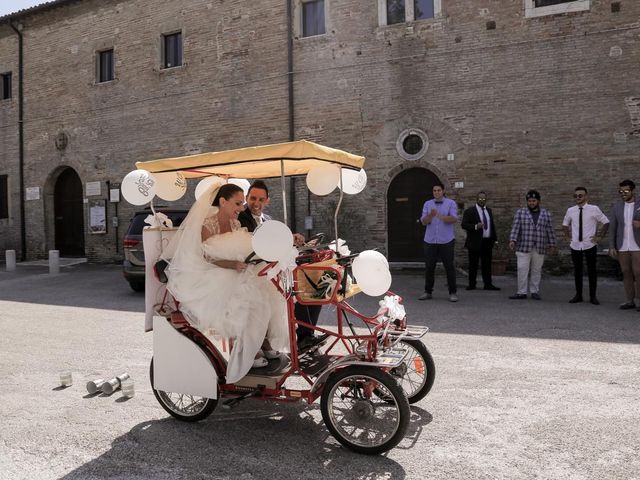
<point>153,210</point>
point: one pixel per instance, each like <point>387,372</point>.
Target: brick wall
<point>10,228</point>
<point>546,103</point>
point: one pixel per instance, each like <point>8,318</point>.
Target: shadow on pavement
<point>81,285</point>
<point>248,442</point>
<point>483,313</point>
<point>492,313</point>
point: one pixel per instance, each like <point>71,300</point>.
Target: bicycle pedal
<point>229,404</point>
<point>233,402</point>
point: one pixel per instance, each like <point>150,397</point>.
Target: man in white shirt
<point>624,241</point>
<point>584,226</point>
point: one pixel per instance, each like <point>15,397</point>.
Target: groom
<point>251,217</point>
<point>257,200</point>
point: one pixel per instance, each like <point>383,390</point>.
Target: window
<point>395,11</point>
<point>547,3</point>
<point>400,11</point>
<point>4,196</point>
<point>313,18</point>
<point>172,50</point>
<point>5,87</point>
<point>105,71</point>
<point>412,144</point>
<point>423,9</point>
<point>539,8</point>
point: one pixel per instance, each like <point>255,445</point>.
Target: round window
<point>412,144</point>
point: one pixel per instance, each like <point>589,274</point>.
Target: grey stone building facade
<point>501,96</point>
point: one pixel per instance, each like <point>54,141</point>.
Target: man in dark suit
<point>257,200</point>
<point>251,217</point>
<point>481,237</point>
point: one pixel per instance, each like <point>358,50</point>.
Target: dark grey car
<point>133,264</point>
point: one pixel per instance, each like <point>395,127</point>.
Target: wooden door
<point>406,196</point>
<point>69,214</point>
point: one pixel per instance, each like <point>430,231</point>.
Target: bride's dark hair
<point>226,191</point>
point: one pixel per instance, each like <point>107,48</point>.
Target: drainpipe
<point>292,134</point>
<point>23,229</point>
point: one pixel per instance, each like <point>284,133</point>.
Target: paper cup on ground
<point>66,379</point>
<point>128,389</point>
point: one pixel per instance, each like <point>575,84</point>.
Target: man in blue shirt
<point>439,215</point>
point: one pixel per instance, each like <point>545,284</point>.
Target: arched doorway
<point>406,196</point>
<point>69,214</point>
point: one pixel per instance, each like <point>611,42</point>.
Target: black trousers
<point>444,252</point>
<point>309,314</point>
<point>483,257</point>
<point>592,272</point>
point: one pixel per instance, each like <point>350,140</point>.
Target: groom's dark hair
<point>260,185</point>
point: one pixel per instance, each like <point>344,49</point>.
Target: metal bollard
<point>94,386</point>
<point>112,385</point>
<point>54,261</point>
<point>10,256</point>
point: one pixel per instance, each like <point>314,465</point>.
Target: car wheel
<point>137,285</point>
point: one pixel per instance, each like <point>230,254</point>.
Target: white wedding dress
<point>237,305</point>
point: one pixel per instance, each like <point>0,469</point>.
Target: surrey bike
<point>366,372</point>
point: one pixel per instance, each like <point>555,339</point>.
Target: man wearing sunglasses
<point>624,241</point>
<point>584,225</point>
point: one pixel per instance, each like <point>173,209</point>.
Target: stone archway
<point>405,197</point>
<point>68,213</point>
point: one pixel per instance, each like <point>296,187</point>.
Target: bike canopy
<point>266,161</point>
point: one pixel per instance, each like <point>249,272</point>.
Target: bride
<point>217,290</point>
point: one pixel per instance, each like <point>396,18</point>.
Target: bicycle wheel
<point>360,419</point>
<point>417,372</point>
<point>188,408</point>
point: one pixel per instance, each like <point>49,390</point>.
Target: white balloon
<point>272,240</point>
<point>170,186</point>
<point>242,183</point>
<point>204,184</point>
<point>377,285</point>
<point>138,187</point>
<point>324,179</point>
<point>368,264</point>
<point>353,181</point>
<point>376,255</point>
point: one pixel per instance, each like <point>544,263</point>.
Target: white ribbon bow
<point>394,309</point>
<point>342,247</point>
<point>288,262</point>
<point>159,220</point>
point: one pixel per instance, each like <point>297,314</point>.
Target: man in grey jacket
<point>624,241</point>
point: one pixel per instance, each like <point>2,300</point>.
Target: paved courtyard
<point>524,389</point>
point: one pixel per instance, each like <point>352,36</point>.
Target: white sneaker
<point>271,354</point>
<point>453,297</point>
<point>260,362</point>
